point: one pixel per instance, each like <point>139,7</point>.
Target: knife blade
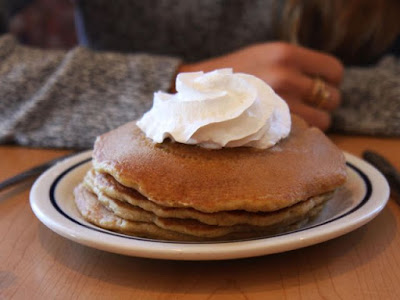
<point>33,172</point>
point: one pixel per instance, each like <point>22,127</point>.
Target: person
<point>335,63</point>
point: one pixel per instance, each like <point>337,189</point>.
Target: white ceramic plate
<point>363,197</point>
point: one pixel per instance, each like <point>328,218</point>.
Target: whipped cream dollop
<point>218,109</point>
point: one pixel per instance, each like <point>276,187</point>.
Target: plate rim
<point>40,194</point>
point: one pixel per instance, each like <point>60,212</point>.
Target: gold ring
<point>319,93</point>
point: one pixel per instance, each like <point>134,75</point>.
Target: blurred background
<point>44,23</point>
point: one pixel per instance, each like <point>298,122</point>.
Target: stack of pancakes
<point>181,192</point>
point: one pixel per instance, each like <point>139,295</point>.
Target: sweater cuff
<point>370,100</point>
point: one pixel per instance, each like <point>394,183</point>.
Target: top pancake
<point>303,165</point>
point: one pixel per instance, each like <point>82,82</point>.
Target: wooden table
<point>36,263</point>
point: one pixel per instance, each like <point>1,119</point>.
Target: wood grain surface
<point>36,263</point>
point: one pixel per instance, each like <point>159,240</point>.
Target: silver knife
<point>33,172</point>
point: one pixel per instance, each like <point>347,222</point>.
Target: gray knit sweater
<point>66,98</point>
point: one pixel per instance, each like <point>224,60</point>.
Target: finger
<point>312,62</point>
<point>290,82</point>
<point>315,63</point>
<point>313,116</point>
<point>332,98</point>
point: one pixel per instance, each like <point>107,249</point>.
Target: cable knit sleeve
<point>371,99</point>
<point>66,98</point>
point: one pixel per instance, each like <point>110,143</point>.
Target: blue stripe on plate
<point>53,200</point>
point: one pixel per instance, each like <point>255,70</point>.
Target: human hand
<point>291,71</point>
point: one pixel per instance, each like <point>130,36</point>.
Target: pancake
<point>129,204</point>
<point>97,214</point>
<point>174,175</point>
<point>94,212</point>
<point>180,192</point>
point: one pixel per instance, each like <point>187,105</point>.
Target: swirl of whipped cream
<point>218,109</point>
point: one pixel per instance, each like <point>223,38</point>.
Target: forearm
<point>66,99</point>
<point>371,99</point>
